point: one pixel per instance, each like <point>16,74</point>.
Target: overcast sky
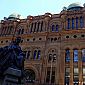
<point>33,7</point>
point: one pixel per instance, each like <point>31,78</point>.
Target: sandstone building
<point>54,45</point>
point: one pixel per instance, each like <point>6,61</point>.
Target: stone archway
<point>30,76</point>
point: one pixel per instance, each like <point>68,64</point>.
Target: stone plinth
<point>12,76</point>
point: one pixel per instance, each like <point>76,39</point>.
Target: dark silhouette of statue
<point>11,56</point>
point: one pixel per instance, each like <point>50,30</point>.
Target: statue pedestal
<point>12,76</point>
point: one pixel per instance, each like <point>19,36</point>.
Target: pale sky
<point>33,7</point>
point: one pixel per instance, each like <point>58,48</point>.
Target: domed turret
<point>74,6</point>
<point>14,16</point>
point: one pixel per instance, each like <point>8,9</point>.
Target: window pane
<point>83,71</point>
<point>84,76</point>
<point>31,27</point>
<point>72,23</point>
<point>35,53</point>
<point>53,77</point>
<point>67,75</point>
<point>68,24</point>
<point>38,26</point>
<point>38,55</point>
<point>41,26</point>
<point>50,57</point>
<point>81,22</point>
<point>76,22</point>
<point>28,54</point>
<point>48,77</point>
<point>76,76</point>
<point>56,28</point>
<point>54,57</point>
<point>83,55</point>
<point>75,55</point>
<point>53,28</point>
<point>76,71</point>
<point>67,56</point>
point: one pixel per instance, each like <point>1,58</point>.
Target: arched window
<point>52,56</point>
<point>75,55</point>
<point>25,53</point>
<point>22,31</point>
<point>38,54</point>
<point>28,54</point>
<point>29,76</point>
<point>56,28</point>
<point>19,31</point>
<point>38,26</point>
<point>83,55</point>
<point>67,55</point>
<point>72,23</point>
<point>81,22</point>
<point>41,27</point>
<point>35,54</point>
<point>35,27</point>
<point>31,27</point>
<point>68,23</point>
<point>76,22</point>
<point>53,28</point>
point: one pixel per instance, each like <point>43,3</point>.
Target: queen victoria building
<point>54,45</point>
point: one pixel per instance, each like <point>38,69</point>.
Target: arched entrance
<point>29,76</point>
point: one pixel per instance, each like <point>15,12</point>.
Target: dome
<point>14,16</point>
<point>74,6</point>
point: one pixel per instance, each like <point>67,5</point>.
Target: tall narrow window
<point>41,27</point>
<point>81,22</point>
<point>83,75</point>
<point>67,55</point>
<point>53,28</point>
<point>56,28</point>
<point>72,23</point>
<point>38,54</point>
<point>38,26</point>
<point>50,75</point>
<point>54,57</point>
<point>76,76</point>
<point>49,57</point>
<point>68,24</point>
<point>83,55</point>
<point>53,76</point>
<point>67,75</point>
<point>35,27</point>
<point>19,31</point>
<point>35,53</point>
<point>75,55</point>
<point>10,29</point>
<point>28,54</point>
<point>76,22</point>
<point>31,27</point>
<point>25,53</point>
<point>22,31</point>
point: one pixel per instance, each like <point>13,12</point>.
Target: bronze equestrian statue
<point>12,56</point>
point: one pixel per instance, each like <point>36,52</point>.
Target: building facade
<point>54,45</point>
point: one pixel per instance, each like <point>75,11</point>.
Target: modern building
<point>54,45</point>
